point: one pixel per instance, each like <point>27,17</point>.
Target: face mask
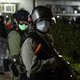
<point>43,26</point>
<point>23,27</point>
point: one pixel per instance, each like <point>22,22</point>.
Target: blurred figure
<point>4,52</point>
<point>3,29</point>
<point>16,38</point>
<point>8,23</point>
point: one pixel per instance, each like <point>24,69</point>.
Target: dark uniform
<point>41,17</point>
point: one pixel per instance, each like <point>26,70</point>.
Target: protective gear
<point>43,26</point>
<point>23,27</point>
<point>41,12</point>
<point>21,15</point>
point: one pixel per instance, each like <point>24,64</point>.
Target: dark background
<point>67,40</point>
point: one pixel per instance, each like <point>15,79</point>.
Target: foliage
<point>67,41</point>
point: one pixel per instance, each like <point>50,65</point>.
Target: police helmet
<point>41,12</point>
<point>21,15</point>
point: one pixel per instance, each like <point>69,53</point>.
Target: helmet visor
<point>39,14</point>
<point>35,15</point>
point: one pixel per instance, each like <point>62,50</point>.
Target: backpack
<point>4,54</point>
<point>52,67</point>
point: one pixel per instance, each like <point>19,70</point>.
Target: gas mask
<point>43,26</point>
<point>23,27</point>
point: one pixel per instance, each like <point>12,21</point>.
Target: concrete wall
<point>26,4</point>
<point>43,2</point>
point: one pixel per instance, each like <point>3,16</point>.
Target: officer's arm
<point>27,53</point>
<point>14,43</point>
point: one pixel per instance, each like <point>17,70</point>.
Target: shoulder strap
<point>41,43</point>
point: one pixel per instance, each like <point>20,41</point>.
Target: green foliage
<point>67,42</point>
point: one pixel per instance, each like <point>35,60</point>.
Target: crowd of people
<point>31,51</point>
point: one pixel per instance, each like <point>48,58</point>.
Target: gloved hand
<point>15,62</point>
<point>14,70</point>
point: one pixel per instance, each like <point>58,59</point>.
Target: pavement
<point>6,76</point>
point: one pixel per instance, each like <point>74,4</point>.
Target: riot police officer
<point>33,49</point>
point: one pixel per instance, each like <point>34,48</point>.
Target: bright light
<point>79,8</point>
<point>71,76</point>
<point>60,55</point>
<point>75,11</point>
<point>58,16</point>
<point>14,60</point>
<point>0,13</point>
<point>64,11</point>
<point>68,62</point>
<point>53,18</point>
<point>6,16</point>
